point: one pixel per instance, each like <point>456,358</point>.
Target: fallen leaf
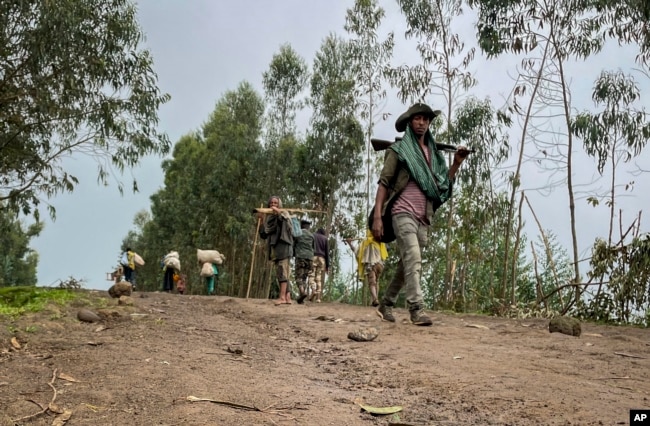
<point>64,376</point>
<point>381,410</point>
<point>458,357</point>
<point>62,419</point>
<point>100,328</point>
<point>483,327</point>
<point>628,355</point>
<point>14,343</point>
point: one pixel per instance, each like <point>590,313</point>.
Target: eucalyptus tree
<point>234,180</point>
<point>626,21</point>
<point>18,261</point>
<point>74,81</point>
<point>212,183</point>
<point>177,211</point>
<point>335,140</point>
<point>370,60</point>
<point>283,82</point>
<point>618,133</point>
<point>563,31</point>
<point>627,265</point>
<point>330,171</point>
<point>442,72</point>
<point>478,125</point>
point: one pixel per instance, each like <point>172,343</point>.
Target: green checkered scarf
<point>433,178</point>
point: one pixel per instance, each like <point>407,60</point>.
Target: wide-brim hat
<point>305,222</point>
<point>419,108</point>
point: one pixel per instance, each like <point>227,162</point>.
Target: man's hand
<point>275,210</point>
<point>460,155</point>
<point>377,228</point>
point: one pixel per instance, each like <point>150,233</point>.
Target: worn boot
<point>385,312</point>
<point>418,317</point>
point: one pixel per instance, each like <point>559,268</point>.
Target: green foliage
<point>619,127</point>
<point>516,25</point>
<point>370,59</point>
<point>477,246</point>
<point>73,81</point>
<point>335,143</point>
<point>16,301</point>
<point>623,271</point>
<point>212,183</point>
<point>553,270</point>
<point>430,21</point>
<point>17,261</point>
<point>285,79</point>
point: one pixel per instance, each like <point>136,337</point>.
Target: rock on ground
<point>565,325</point>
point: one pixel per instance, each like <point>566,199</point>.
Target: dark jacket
<point>277,232</point>
<point>303,246</point>
<point>321,247</point>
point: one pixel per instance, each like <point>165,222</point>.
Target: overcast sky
<point>204,48</point>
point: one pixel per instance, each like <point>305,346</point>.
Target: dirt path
<point>283,366</point>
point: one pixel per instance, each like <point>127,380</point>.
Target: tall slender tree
<point>91,92</point>
<point>370,60</point>
<point>18,261</point>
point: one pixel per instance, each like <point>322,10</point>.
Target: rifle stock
<point>382,144</point>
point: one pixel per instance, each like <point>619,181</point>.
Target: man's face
<point>274,203</point>
<point>420,124</point>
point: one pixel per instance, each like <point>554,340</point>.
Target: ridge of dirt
<point>294,365</point>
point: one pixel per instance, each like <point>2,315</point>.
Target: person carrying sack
<point>413,183</point>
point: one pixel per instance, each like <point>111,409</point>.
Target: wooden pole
<point>270,210</point>
<point>250,275</point>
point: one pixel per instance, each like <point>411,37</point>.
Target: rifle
<point>381,144</point>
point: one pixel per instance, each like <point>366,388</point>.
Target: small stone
<point>86,315</point>
<point>565,325</point>
<point>364,334</point>
<point>123,288</point>
<point>125,301</point>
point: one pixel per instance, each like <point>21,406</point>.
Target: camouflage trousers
<point>303,268</point>
<point>316,274</point>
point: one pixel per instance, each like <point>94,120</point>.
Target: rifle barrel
<point>381,144</point>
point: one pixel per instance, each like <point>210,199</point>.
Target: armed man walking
<point>414,182</point>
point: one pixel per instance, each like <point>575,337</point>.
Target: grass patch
<point>15,301</point>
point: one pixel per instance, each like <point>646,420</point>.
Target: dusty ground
<point>285,367</point>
